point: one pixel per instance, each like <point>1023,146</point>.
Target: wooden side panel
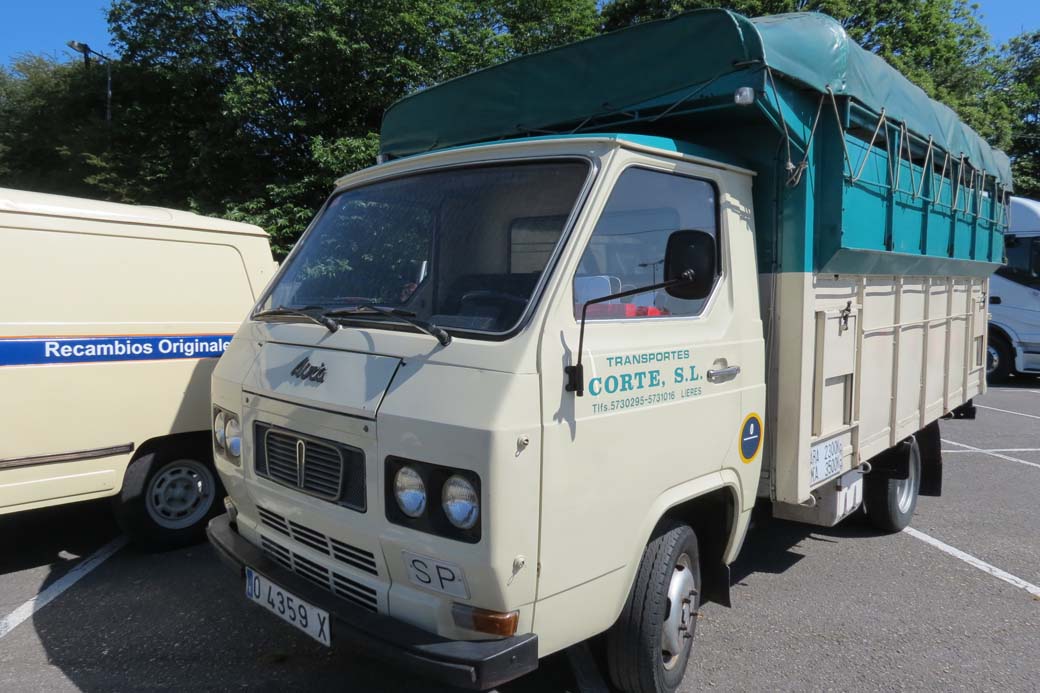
<point>890,355</point>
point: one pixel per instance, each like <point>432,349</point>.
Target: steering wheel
<point>484,295</point>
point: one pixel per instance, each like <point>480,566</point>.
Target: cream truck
<point>520,384</point>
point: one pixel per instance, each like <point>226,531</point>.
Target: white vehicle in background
<point>1014,304</point>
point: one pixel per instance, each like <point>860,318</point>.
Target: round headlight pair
<point>227,433</point>
<point>458,497</point>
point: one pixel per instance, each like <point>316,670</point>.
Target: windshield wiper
<point>326,322</point>
<point>438,333</point>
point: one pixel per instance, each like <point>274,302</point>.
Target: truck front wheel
<point>891,501</point>
<point>649,645</point>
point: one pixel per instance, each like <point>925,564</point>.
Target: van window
<point>1023,265</point>
<point>627,247</point>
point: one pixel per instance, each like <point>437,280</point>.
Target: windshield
<point>460,248</point>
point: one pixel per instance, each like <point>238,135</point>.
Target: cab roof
<point>42,204</point>
<point>651,143</point>
<point>1025,217</point>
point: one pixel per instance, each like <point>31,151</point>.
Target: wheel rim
<point>905,489</point>
<point>180,494</point>
<point>992,360</point>
<point>677,629</point>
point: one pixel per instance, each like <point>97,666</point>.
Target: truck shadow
<point>769,547</point>
<point>178,620</point>
<point>170,621</point>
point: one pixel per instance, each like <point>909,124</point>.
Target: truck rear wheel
<point>649,646</point>
<point>891,501</point>
<point>167,498</point>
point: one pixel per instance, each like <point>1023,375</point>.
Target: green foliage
<point>50,123</point>
<point>252,108</point>
<point>1023,88</point>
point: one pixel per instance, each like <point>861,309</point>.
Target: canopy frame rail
<point>967,182</point>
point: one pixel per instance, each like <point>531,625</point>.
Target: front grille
<point>321,468</point>
<point>340,585</point>
<point>341,551</point>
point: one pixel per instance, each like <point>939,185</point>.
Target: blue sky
<point>43,26</point>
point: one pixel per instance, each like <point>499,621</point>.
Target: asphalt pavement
<point>952,605</point>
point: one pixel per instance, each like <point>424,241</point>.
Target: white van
<point>1014,302</point>
<point>112,318</point>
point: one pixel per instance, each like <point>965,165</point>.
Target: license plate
<point>288,607</point>
<point>824,461</point>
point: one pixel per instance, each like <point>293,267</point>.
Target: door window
<point>1023,265</point>
<point>627,247</point>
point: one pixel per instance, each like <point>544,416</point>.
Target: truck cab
<point>1014,304</point>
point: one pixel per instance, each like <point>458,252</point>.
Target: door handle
<point>721,375</point>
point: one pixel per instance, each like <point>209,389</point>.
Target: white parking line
<point>27,609</point>
<point>976,562</point>
<point>993,450</point>
<point>1007,411</point>
<point>972,448</point>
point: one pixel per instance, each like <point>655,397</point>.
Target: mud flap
<point>929,442</point>
<point>717,584</point>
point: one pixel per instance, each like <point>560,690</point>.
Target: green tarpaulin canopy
<point>658,64</point>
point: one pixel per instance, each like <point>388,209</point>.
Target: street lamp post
<point>87,51</point>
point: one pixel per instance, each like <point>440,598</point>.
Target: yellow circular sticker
<point>750,437</point>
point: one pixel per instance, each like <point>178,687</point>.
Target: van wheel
<point>999,359</point>
<point>649,646</point>
<point>167,499</point>
<point>891,502</point>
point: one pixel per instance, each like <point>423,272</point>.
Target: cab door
<point>663,376</point>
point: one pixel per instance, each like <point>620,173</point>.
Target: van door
<point>663,376</point>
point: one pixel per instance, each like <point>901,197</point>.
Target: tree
<point>1022,85</point>
<point>49,124</point>
<point>302,86</point>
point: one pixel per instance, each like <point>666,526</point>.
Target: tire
<point>891,502</point>
<point>1000,359</point>
<point>637,645</point>
<point>167,498</point>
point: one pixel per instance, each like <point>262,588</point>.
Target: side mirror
<point>690,255</point>
<point>689,273</point>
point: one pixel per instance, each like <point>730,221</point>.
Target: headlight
<point>233,437</point>
<point>460,502</point>
<point>410,492</point>
<point>218,429</point>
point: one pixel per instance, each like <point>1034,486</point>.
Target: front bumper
<point>478,664</point>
